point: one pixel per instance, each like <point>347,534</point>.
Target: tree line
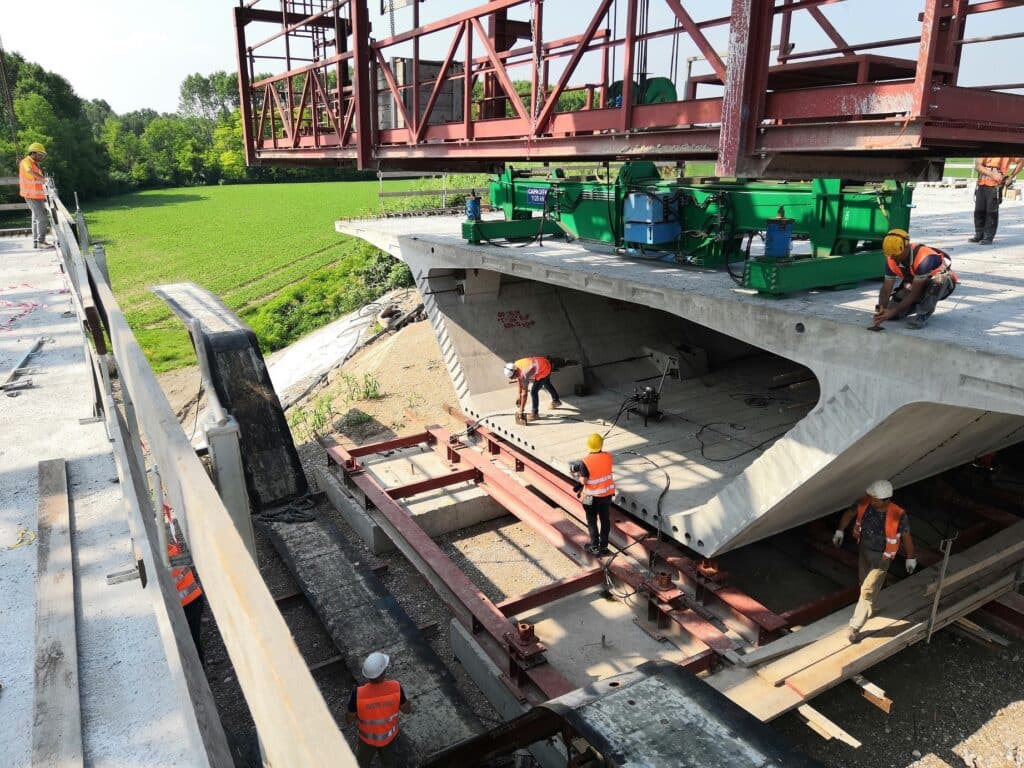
<point>93,151</point>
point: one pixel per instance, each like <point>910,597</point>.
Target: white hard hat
<point>510,370</point>
<point>880,489</point>
<point>375,665</point>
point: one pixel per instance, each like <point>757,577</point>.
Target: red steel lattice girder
<point>925,112</point>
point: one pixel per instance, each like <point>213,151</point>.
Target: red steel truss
<point>845,110</point>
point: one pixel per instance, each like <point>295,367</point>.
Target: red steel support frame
<point>754,126</point>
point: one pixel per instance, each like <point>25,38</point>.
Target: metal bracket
<point>945,546</point>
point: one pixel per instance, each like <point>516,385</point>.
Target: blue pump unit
<point>650,220</point>
<point>778,237</point>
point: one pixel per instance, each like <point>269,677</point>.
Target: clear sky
<point>135,53</point>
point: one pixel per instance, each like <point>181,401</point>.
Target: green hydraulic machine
<point>706,222</point>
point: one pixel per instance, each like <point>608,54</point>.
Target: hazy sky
<point>135,53</point>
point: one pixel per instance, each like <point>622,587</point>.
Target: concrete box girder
<point>901,404</point>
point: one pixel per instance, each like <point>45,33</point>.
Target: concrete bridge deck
<point>132,710</point>
<point>901,404</point>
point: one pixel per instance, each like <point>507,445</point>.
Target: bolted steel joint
<point>525,633</point>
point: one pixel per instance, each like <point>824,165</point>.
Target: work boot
<point>854,636</point>
<point>985,241</point>
<point>603,552</point>
<point>592,549</point>
<point>532,416</point>
<point>975,239</point>
<point>555,404</point>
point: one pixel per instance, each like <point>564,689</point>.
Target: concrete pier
<point>779,410</point>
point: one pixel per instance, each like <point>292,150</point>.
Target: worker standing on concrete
<point>880,527</point>
<point>375,706</point>
<point>917,277</point>
<point>30,183</point>
<point>193,601</point>
<point>533,374</point>
<point>596,491</point>
<point>995,174</point>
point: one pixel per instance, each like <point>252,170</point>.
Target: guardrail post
<point>225,451</point>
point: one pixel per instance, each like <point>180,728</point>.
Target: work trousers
<point>388,754</point>
<point>940,286</point>
<point>538,385</point>
<point>599,510</point>
<point>872,568</point>
<point>40,219</point>
<point>986,211</point>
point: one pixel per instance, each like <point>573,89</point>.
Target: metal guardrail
<point>294,724</point>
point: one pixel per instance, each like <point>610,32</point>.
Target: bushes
<point>362,275</point>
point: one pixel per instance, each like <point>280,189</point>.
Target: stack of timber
<point>784,674</point>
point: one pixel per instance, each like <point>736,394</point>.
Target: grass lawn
<point>245,243</point>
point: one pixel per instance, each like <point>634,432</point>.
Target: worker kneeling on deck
<point>596,491</point>
<point>375,706</point>
<point>917,277</point>
<point>879,528</point>
<point>533,374</point>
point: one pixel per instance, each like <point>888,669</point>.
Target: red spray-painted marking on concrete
<point>513,318</point>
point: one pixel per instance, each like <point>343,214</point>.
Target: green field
<point>256,246</point>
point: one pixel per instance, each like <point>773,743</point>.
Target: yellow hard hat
<point>35,146</point>
<point>595,443</point>
<point>894,242</point>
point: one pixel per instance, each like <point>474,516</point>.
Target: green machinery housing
<point>707,222</point>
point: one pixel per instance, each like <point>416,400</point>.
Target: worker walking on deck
<point>596,487</point>
<point>375,706</point>
<point>30,184</point>
<point>880,527</point>
<point>917,277</point>
<point>533,374</point>
<point>995,174</point>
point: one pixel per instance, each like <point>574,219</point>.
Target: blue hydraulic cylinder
<point>778,238</point>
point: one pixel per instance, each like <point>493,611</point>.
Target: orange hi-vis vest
<point>30,179</point>
<point>918,253</point>
<point>542,364</point>
<point>377,706</point>
<point>184,579</point>
<point>893,515</point>
<point>600,482</point>
<point>1001,164</point>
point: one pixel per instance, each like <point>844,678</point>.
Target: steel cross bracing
<point>677,589</point>
<point>766,108</point>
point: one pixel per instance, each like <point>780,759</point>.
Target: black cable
<point>199,397</point>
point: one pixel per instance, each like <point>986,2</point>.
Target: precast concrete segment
<point>131,713</point>
<point>899,404</point>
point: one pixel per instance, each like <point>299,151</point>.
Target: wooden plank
<point>873,649</point>
<point>1005,547</point>
<point>826,727</point>
<point>56,718</point>
<point>14,207</point>
<point>977,632</point>
<point>8,181</point>
<point>873,693</point>
<point>293,721</point>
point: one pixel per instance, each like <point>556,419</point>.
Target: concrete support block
<point>364,526</point>
<point>488,679</point>
<point>480,286</point>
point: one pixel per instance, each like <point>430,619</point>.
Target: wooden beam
<point>825,727</point>
<point>873,693</point>
<point>56,717</point>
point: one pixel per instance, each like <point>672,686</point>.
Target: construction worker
<point>880,527</point>
<point>30,182</point>
<point>533,373</point>
<point>595,489</point>
<point>193,601</point>
<point>375,706</point>
<point>917,277</point>
<point>995,174</point>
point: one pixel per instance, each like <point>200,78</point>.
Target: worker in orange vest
<point>995,174</point>
<point>596,488</point>
<point>375,706</point>
<point>30,183</point>
<point>192,599</point>
<point>533,373</point>
<point>917,277</point>
<point>880,527</point>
